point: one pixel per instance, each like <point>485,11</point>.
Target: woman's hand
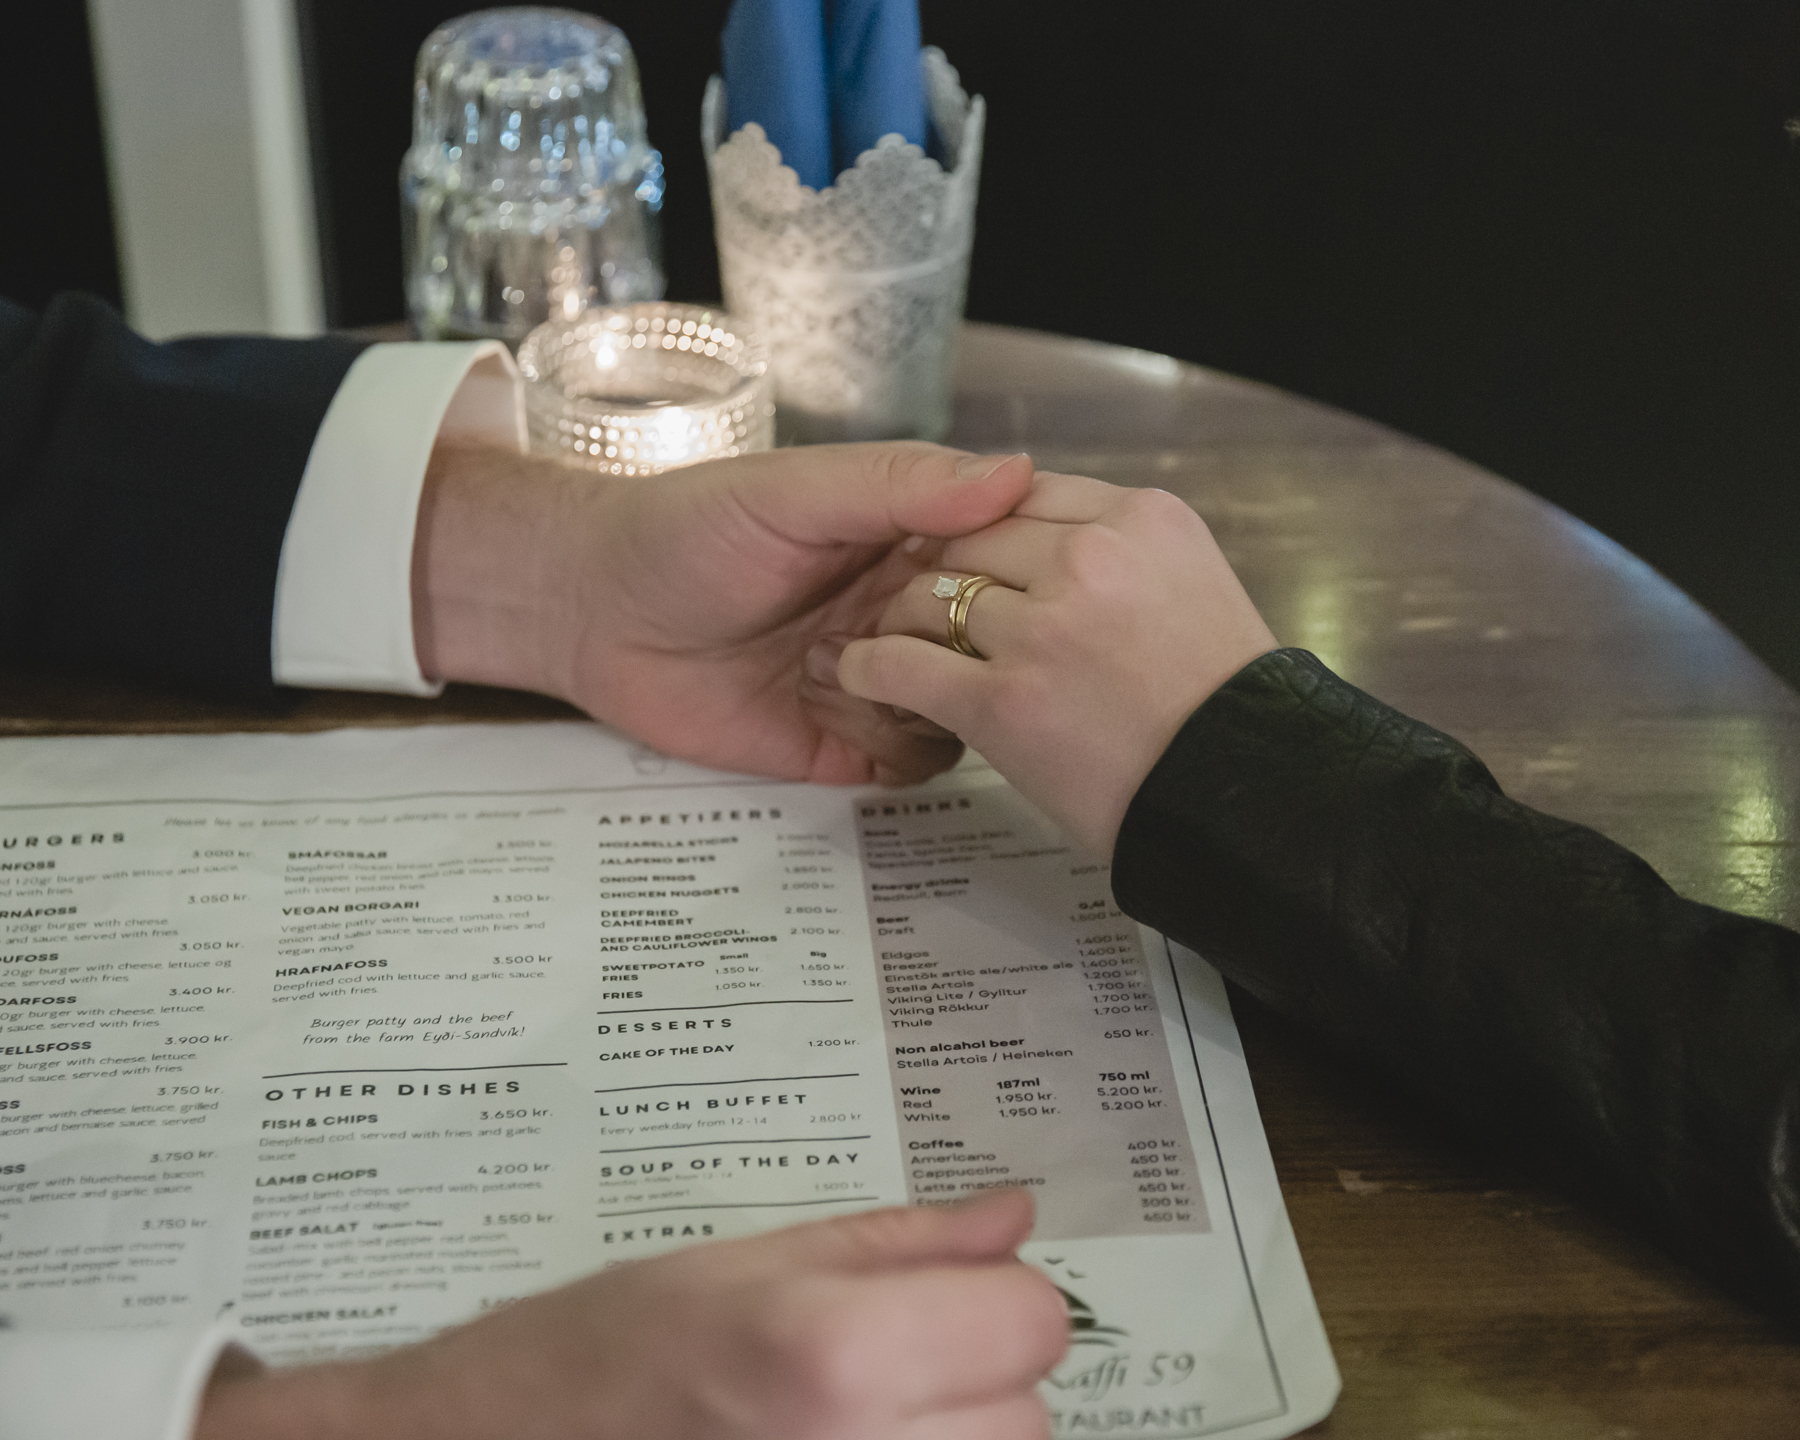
<point>1114,617</point>
<point>915,1324</point>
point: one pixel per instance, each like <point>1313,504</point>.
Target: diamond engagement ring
<point>961,595</point>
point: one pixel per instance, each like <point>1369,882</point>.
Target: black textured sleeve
<point>1364,874</point>
<point>145,489</point>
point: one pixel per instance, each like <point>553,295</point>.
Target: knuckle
<point>1095,556</point>
<point>1158,507</point>
<point>813,1355</point>
<point>840,1366</point>
<point>893,464</point>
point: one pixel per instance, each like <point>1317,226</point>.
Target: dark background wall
<point>1562,239</point>
<point>56,230</point>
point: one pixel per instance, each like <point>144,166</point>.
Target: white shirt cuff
<point>106,1384</point>
<point>343,592</point>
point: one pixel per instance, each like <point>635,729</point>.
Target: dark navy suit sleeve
<point>144,492</point>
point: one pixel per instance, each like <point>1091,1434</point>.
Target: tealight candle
<point>639,389</point>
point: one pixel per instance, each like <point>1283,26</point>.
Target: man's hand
<point>682,608</point>
<point>894,1325</point>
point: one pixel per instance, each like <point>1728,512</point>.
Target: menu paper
<point>353,1036</point>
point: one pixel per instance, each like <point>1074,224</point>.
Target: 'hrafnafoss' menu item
<point>352,1036</point>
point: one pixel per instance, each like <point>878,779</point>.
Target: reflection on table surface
<point>1462,1301</point>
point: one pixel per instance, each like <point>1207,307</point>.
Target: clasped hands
<point>775,614</point>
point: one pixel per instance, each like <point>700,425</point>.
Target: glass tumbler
<point>645,388</point>
<point>530,191</point>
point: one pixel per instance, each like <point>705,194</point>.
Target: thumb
<point>878,492</point>
<point>987,1228</point>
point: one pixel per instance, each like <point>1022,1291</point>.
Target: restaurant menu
<point>352,1036</point>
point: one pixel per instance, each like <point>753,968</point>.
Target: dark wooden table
<point>1464,1301</point>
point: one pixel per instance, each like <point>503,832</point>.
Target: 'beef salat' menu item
<point>352,1036</point>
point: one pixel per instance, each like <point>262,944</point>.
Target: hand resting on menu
<point>912,1324</point>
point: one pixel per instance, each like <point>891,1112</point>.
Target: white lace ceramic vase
<point>856,289</point>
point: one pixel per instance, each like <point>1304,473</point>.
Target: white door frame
<point>204,112</point>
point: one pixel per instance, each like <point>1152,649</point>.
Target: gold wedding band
<point>964,597</point>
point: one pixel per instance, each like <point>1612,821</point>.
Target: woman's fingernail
<point>979,467</point>
<point>902,717</point>
<point>912,544</point>
<point>821,663</point>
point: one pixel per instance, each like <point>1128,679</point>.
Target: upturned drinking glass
<point>531,191</point>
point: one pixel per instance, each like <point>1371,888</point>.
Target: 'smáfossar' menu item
<point>352,1036</point>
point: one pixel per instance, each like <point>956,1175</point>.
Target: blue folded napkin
<point>825,79</point>
<point>876,88</point>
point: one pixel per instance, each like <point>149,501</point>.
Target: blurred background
<point>1562,240</point>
